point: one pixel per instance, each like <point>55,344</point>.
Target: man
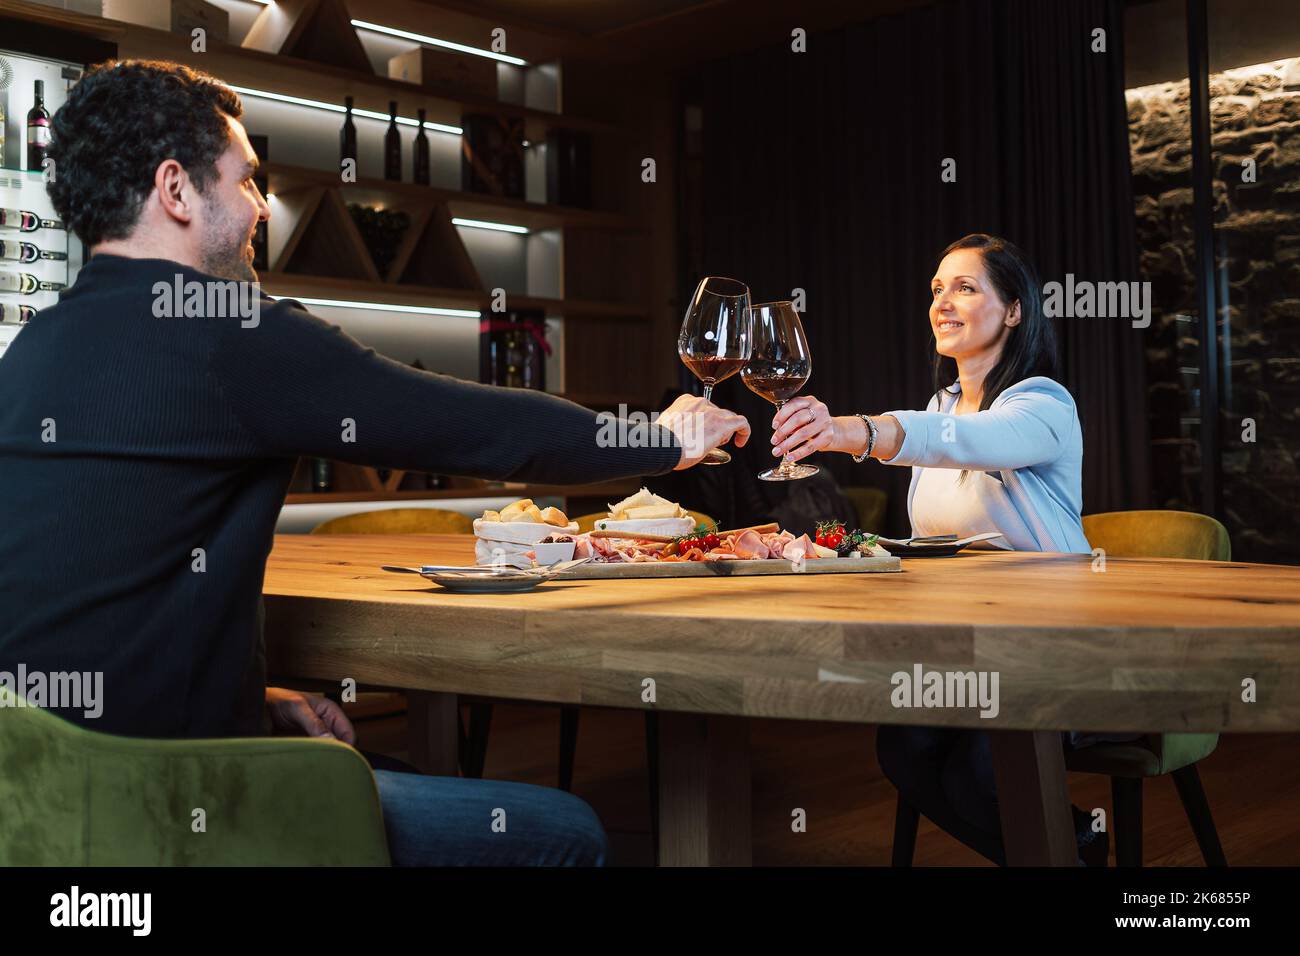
<point>146,451</point>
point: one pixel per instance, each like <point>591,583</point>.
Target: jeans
<point>947,774</point>
<point>450,821</point>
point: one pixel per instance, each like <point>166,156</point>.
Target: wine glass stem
<point>708,391</point>
<point>786,464</point>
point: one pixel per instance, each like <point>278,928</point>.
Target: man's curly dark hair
<point>120,121</point>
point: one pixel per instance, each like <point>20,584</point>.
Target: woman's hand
<point>802,426</point>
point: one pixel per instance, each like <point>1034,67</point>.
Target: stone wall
<point>1255,114</point>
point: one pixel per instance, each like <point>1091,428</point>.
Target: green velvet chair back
<point>1153,534</point>
<point>74,797</point>
<point>1158,534</point>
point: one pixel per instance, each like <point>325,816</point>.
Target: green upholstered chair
<point>399,521</point>
<point>75,797</point>
<point>1136,534</point>
<point>869,503</point>
<point>1155,534</point>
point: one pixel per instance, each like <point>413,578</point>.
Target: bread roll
<point>556,517</point>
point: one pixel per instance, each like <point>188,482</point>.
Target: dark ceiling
<point>676,32</point>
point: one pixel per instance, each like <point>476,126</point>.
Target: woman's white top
<point>1023,458</point>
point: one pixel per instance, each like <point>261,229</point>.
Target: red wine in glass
<point>779,365</point>
<point>714,340</point>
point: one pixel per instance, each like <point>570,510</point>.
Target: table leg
<point>1037,826</point>
<point>704,790</point>
<point>433,736</point>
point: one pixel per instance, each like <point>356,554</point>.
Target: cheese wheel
<point>672,527</point>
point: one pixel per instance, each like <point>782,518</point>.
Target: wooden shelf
<point>292,285</point>
<point>277,73</point>
<point>463,205</point>
<point>485,490</point>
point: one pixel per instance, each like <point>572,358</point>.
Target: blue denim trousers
<point>450,821</point>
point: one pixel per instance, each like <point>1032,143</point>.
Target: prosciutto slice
<point>798,549</point>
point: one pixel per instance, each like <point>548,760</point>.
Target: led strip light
<point>431,41</point>
<point>494,226</point>
<point>385,307</point>
<point>334,108</point>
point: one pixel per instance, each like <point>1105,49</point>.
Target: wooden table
<point>1145,645</point>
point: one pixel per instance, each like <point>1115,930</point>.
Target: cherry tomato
<point>711,541</point>
<point>821,539</point>
<point>833,540</point>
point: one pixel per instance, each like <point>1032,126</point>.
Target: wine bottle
<point>322,475</point>
<point>25,221</point>
<point>38,130</point>
<point>421,171</point>
<point>24,283</point>
<point>348,135</point>
<point>28,252</point>
<point>392,146</point>
<point>15,313</point>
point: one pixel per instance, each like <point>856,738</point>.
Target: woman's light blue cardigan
<point>1029,439</point>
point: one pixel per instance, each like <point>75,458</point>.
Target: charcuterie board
<point>723,569</point>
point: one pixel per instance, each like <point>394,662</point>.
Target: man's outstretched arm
<point>300,386</point>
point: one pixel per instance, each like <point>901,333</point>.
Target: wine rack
<point>38,257</point>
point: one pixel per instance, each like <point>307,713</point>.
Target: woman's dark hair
<point>1030,347</point>
<point>121,120</point>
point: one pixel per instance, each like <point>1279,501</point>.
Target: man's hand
<point>296,713</point>
<point>701,425</point>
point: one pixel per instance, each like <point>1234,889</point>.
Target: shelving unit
<point>309,49</point>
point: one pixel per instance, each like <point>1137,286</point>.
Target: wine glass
<point>778,366</point>
<point>714,341</point>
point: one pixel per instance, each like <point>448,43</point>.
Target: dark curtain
<point>821,171</point>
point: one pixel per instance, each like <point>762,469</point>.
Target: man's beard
<point>225,250</point>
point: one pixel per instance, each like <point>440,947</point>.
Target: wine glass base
<point>792,473</point>
<point>715,456</point>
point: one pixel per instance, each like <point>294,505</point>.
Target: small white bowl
<point>548,554</point>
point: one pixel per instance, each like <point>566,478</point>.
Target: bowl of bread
<point>516,535</point>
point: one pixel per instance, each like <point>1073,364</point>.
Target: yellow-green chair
<point>869,503</point>
<point>588,522</point>
<point>399,521</point>
<point>75,797</point>
<point>1155,534</point>
<point>1128,534</point>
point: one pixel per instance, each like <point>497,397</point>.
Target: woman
<point>998,448</point>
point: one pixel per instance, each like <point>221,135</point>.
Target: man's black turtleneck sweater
<point>128,441</point>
